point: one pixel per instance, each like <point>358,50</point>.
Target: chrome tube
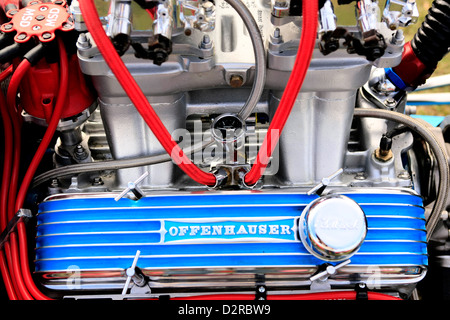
<point>260,57</point>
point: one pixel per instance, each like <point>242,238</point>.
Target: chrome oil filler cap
<point>333,227</point>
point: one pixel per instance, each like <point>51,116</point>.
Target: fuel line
<point>138,98</point>
<point>298,74</point>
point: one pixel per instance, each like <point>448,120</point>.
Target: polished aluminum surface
<point>333,227</point>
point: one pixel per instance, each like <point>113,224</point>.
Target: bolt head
<point>98,181</point>
<point>390,103</point>
<point>130,272</point>
<point>331,270</point>
<point>360,176</point>
<point>236,81</point>
<point>404,175</point>
<point>47,35</point>
<point>22,36</point>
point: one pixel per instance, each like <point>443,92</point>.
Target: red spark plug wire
<point>16,270</point>
<point>334,295</point>
<point>22,284</point>
<point>52,125</point>
<point>298,74</point>
<point>31,286</point>
<point>56,116</point>
<point>6,259</point>
<point>7,279</point>
<point>9,260</point>
<point>6,73</point>
<point>151,13</point>
<point>13,86</point>
<point>7,161</point>
<point>138,98</point>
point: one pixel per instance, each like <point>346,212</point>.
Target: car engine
<point>221,149</point>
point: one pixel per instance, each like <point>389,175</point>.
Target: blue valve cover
<point>232,230</point>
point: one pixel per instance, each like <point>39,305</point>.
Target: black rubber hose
<point>10,52</point>
<point>432,41</point>
<point>35,54</point>
<point>6,39</point>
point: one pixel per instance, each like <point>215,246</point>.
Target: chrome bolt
<point>277,33</point>
<point>390,103</point>
<point>47,35</point>
<point>80,153</point>
<point>360,176</point>
<point>54,183</point>
<point>83,41</point>
<point>22,36</point>
<point>398,37</point>
<point>206,42</point>
<point>98,181</point>
<point>276,38</point>
<point>404,175</point>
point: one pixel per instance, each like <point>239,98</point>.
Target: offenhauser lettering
<point>228,230</point>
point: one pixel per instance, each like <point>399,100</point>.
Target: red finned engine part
<point>39,89</point>
<point>39,20</point>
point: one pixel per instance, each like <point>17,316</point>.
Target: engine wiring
<point>14,255</point>
<point>138,98</point>
<point>11,95</point>
<point>23,280</point>
<point>57,112</point>
<point>298,74</point>
<point>18,251</point>
<point>341,295</point>
<point>7,162</point>
<point>112,164</point>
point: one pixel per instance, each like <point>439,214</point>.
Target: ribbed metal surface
<point>94,233</point>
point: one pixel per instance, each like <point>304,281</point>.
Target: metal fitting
<point>206,42</point>
<point>223,178</point>
<point>236,81</point>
